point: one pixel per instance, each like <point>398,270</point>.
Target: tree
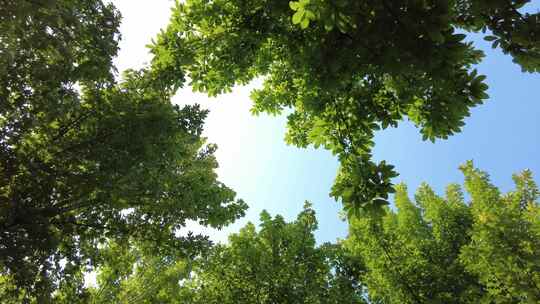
<point>86,159</point>
<point>280,263</point>
<point>347,68</point>
<point>134,274</point>
<point>443,250</point>
<point>505,238</point>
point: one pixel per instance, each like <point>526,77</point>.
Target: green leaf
<point>294,5</point>
<point>305,23</point>
<point>480,78</point>
<point>459,37</point>
<point>297,17</point>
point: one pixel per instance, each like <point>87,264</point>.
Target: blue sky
<point>502,136</point>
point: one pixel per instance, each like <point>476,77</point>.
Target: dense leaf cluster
<point>103,174</point>
<point>347,68</point>
<point>431,250</point>
<point>277,263</point>
<point>84,158</point>
<point>443,250</point>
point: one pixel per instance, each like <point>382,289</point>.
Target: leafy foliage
<point>85,159</point>
<point>505,238</point>
<point>278,264</point>
<point>102,174</point>
<point>442,250</point>
<point>134,274</point>
<point>347,68</point>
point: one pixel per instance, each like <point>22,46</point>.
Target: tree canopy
<point>101,172</point>
<point>443,250</point>
<point>432,249</point>
<point>278,263</point>
<point>347,68</point>
<point>85,158</point>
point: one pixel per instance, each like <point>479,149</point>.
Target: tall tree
<point>84,158</point>
<point>280,263</point>
<point>135,274</point>
<point>505,238</point>
<point>347,68</point>
<point>443,250</point>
